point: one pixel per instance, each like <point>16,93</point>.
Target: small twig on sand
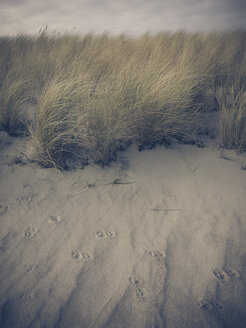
<point>118,181</point>
<point>165,210</point>
<point>227,158</point>
<point>88,186</point>
<point>92,185</point>
<point>80,192</point>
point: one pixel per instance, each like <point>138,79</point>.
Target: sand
<point>157,239</point>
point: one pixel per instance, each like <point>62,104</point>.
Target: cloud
<point>117,16</point>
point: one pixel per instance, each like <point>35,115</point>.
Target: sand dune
<point>157,239</point>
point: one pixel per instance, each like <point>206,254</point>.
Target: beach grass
<point>95,94</point>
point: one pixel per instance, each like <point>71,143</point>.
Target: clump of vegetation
<point>14,96</point>
<point>93,95</point>
<point>231,96</point>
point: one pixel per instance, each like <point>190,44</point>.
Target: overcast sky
<point>117,16</point>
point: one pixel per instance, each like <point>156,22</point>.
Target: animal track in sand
<point>158,255</point>
<point>225,276</point>
<point>28,267</point>
<point>76,255</point>
<point>20,200</point>
<point>87,256</point>
<point>101,234</point>
<point>136,281</point>
<point>111,234</point>
<point>30,232</point>
<point>4,243</point>
<point>141,293</point>
<point>209,306</point>
<point>54,219</point>
<point>3,209</point>
<point>233,274</point>
<point>222,276</point>
<point>105,234</point>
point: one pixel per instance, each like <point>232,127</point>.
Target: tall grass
<point>231,96</point>
<point>96,94</point>
<point>14,96</point>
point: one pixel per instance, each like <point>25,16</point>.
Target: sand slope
<point>158,239</point>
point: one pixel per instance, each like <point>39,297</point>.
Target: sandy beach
<point>155,239</point>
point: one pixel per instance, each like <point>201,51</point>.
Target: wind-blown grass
<point>96,94</point>
<point>14,96</point>
<point>231,98</point>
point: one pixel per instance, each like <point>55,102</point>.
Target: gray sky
<point>117,16</point>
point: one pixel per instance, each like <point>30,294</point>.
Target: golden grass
<point>96,94</point>
<point>13,98</point>
<point>231,96</point>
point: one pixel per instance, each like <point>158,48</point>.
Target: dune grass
<point>13,98</point>
<point>95,94</point>
<point>231,96</point>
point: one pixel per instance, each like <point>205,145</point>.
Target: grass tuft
<point>231,98</point>
<point>94,95</point>
<point>14,96</point>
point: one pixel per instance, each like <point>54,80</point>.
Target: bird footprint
<point>222,276</point>
<point>225,276</point>
<point>233,274</point>
<point>87,256</point>
<point>135,281</point>
<point>101,234</point>
<point>78,255</point>
<point>105,234</point>
<point>210,306</point>
<point>3,209</point>
<point>28,267</point>
<point>157,255</point>
<point>141,293</point>
<point>111,234</point>
<point>30,232</point>
<point>54,219</point>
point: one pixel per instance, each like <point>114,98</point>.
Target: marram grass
<point>231,97</point>
<point>93,95</point>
